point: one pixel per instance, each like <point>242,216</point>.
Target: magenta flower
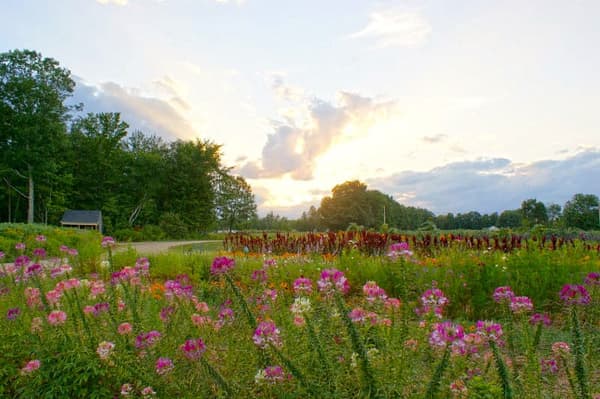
<point>222,265</point>
<point>333,280</point>
<point>303,285</point>
<point>592,279</point>
<point>13,313</point>
<point>166,312</point>
<point>358,315</point>
<point>259,275</point>
<point>432,300</point>
<point>502,294</point>
<point>1,254</point>
<point>573,294</point>
<point>539,318</point>
<point>445,334</point>
<point>31,366</point>
<point>193,348</point>
<point>373,291</point>
<point>270,375</point>
<point>489,330</point>
<point>549,366</point>
<point>40,238</point>
<point>57,317</point>
<point>164,365</point>
<point>108,242</point>
<point>146,340</point>
<point>20,246</point>
<point>520,304</point>
<point>226,314</point>
<point>267,334</point>
<point>39,252</point>
<point>399,249</point>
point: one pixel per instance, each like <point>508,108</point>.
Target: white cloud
<point>494,184</point>
<point>115,2</point>
<point>283,90</point>
<point>295,144</point>
<point>152,115</point>
<point>393,28</point>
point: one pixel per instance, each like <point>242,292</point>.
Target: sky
<point>454,106</point>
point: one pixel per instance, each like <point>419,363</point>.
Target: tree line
<point>55,157</point>
<point>353,205</point>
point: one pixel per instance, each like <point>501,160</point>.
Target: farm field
<point>380,316</point>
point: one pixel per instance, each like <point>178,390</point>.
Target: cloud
<point>494,184</point>
<point>294,145</point>
<point>394,28</point>
<point>115,2</point>
<point>149,114</point>
<point>434,139</point>
<point>282,89</point>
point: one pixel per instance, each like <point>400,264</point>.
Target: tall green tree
<point>235,206</point>
<point>349,203</point>
<point>582,212</point>
<point>189,191</point>
<point>533,212</point>
<point>33,90</point>
<point>97,152</point>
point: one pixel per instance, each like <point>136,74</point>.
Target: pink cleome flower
<point>520,304</point>
<point>108,242</point>
<point>104,349</point>
<point>373,292</point>
<point>333,280</point>
<point>146,340</point>
<point>561,349</point>
<point>222,265</point>
<point>446,333</point>
<point>164,365</point>
<point>303,285</point>
<point>31,366</point>
<point>489,330</point>
<point>592,279</point>
<point>193,348</point>
<point>267,334</point>
<point>502,294</point>
<point>540,319</point>
<point>57,317</point>
<point>549,366</point>
<point>573,294</point>
<point>124,328</point>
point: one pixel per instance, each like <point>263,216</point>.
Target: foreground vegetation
<point>202,324</point>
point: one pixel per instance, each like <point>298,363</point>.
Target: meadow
<point>379,317</point>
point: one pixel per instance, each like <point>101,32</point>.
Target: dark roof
<point>82,217</point>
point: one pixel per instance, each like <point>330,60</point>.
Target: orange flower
<point>157,289</point>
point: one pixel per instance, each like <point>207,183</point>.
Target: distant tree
<point>33,90</point>
<point>554,213</point>
<point>510,218</point>
<point>582,212</point>
<point>348,203</point>
<point>533,212</point>
<point>235,204</point>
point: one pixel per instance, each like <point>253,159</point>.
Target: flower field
<point>450,320</point>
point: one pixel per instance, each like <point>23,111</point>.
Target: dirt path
<point>155,247</point>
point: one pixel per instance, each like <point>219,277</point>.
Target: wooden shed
<point>82,219</point>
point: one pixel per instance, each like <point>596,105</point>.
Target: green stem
<point>358,347</point>
<point>216,376</point>
<point>436,379</point>
<point>580,370</point>
<point>242,301</point>
<point>502,371</point>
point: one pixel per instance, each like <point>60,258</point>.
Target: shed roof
<point>75,217</point>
